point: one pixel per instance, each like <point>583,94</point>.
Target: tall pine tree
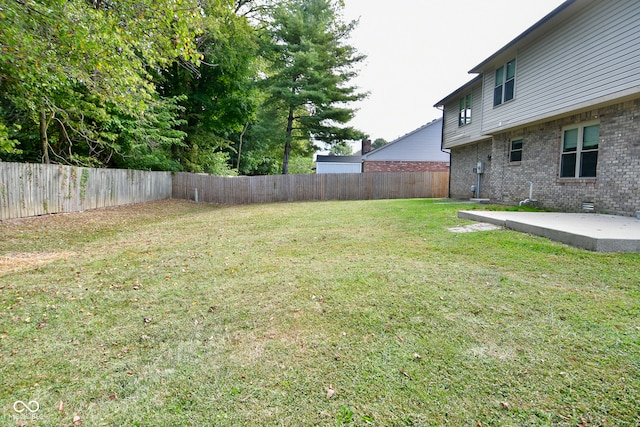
<point>310,66</point>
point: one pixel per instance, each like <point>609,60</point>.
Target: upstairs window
<point>464,118</point>
<point>515,151</point>
<point>580,151</point>
<point>505,83</point>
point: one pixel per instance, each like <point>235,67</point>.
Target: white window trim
<point>517,162</point>
<point>504,82</point>
<point>580,126</point>
<point>469,118</point>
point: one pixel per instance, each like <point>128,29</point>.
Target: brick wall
<point>615,190</point>
<point>463,160</point>
<point>399,166</point>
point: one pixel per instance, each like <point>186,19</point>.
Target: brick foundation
<point>615,190</point>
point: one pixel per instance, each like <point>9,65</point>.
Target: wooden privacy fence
<point>290,188</point>
<point>29,189</point>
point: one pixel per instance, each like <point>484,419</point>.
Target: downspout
<point>442,149</point>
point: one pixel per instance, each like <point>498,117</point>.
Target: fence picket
<point>30,189</point>
<point>36,189</point>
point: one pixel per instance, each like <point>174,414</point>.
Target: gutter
<point>442,149</point>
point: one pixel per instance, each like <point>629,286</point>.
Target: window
<point>464,118</point>
<point>515,151</point>
<point>580,151</point>
<point>505,83</point>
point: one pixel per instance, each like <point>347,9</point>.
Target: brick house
<point>554,114</point>
<point>417,151</point>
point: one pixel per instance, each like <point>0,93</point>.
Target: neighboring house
<point>555,111</point>
<point>417,151</point>
<point>338,164</point>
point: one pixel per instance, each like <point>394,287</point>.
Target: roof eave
<point>462,88</point>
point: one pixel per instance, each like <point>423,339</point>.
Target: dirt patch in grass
<point>26,260</point>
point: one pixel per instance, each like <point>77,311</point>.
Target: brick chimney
<point>366,146</point>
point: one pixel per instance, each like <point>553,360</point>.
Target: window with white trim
<point>579,157</point>
<point>505,83</point>
<point>464,118</point>
<point>515,151</point>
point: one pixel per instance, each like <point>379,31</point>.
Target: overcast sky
<point>419,51</point>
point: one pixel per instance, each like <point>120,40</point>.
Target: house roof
<point>386,146</point>
<point>330,158</point>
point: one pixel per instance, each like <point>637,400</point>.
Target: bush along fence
<point>30,189</point>
<point>38,189</point>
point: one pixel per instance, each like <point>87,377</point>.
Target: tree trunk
<point>44,141</point>
<point>246,126</point>
<point>287,143</point>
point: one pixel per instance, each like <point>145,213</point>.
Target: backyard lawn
<point>310,314</point>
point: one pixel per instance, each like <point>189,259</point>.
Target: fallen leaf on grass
<point>61,406</point>
<point>330,392</point>
<point>504,405</point>
<point>77,420</point>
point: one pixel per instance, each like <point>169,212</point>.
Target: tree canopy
<point>310,67</point>
<point>379,142</point>
<point>216,86</point>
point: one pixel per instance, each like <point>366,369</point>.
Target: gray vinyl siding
<point>422,144</point>
<point>455,135</point>
<point>569,68</point>
<point>327,167</point>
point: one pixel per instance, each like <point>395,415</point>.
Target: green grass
<point>255,315</point>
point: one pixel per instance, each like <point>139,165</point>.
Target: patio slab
<point>594,232</point>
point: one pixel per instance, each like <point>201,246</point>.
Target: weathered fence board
<point>30,189</point>
<point>290,188</point>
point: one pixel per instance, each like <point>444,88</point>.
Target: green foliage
<point>379,142</point>
<point>198,85</point>
<point>345,416</point>
<point>218,96</point>
<point>300,165</point>
<point>7,145</point>
<point>341,149</point>
<point>66,65</point>
<point>309,68</point>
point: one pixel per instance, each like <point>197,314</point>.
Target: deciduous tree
<point>71,67</point>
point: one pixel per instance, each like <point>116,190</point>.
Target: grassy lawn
<point>328,314</point>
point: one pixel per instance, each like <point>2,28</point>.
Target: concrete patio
<point>594,232</point>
